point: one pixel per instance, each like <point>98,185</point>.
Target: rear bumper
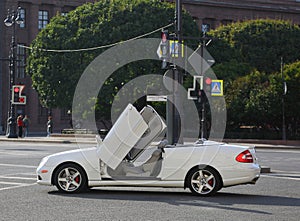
<point>242,174</point>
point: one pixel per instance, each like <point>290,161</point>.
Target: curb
<point>265,169</point>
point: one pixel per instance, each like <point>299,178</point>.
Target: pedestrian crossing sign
<point>217,88</point>
<point>174,49</point>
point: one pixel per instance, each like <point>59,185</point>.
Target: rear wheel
<point>70,178</point>
<point>204,181</point>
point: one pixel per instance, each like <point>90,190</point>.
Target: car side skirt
<point>138,183</point>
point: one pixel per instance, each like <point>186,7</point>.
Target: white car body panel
<point>180,159</point>
<point>125,133</point>
<point>86,158</point>
<point>106,164</point>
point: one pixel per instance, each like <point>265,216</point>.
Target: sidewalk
<point>90,139</point>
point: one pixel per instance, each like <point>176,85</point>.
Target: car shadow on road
<point>221,200</point>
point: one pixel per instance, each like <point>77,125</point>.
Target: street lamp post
<point>12,19</point>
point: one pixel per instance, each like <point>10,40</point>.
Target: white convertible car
<point>128,157</point>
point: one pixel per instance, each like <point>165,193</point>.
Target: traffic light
<point>17,97</point>
<point>207,86</point>
<point>196,91</point>
<point>164,47</point>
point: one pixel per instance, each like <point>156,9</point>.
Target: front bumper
<point>43,177</point>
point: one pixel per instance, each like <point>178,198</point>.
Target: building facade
<point>37,14</point>
<point>221,12</point>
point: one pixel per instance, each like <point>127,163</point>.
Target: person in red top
<point>20,125</point>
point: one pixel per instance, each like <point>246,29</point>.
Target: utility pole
<point>203,95</point>
<point>174,107</point>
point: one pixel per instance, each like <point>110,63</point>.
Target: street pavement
<point>274,197</point>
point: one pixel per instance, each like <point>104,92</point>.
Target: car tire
<point>204,181</point>
<point>70,178</point>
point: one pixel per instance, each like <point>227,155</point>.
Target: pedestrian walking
<point>20,125</point>
<point>49,126</point>
<point>26,122</point>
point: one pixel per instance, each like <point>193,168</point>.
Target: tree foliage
<point>247,58</point>
<point>250,99</point>
<point>55,75</point>
<point>257,99</point>
<point>292,98</point>
<point>257,43</point>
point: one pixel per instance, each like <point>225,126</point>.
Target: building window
<point>43,19</point>
<point>23,16</point>
<point>64,13</point>
<point>21,58</point>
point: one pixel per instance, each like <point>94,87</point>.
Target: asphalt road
<point>276,196</point>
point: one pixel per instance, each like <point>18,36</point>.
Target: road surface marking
<point>22,153</point>
<point>281,177</point>
<point>15,187</point>
<point>14,174</point>
<point>17,165</point>
<point>11,183</point>
<point>17,178</point>
<point>286,172</point>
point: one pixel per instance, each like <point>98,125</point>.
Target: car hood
<point>77,155</point>
<point>133,130</point>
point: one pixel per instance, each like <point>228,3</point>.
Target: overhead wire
<point>97,47</point>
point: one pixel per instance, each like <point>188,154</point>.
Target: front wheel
<point>204,181</point>
<point>70,178</point>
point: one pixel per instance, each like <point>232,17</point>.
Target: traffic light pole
<point>174,107</point>
<point>203,99</point>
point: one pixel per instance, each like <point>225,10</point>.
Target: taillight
<point>244,157</point>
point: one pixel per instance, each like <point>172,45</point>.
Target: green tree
<point>256,99</point>
<point>238,96</point>
<point>247,58</point>
<point>264,104</point>
<point>258,43</point>
<point>55,75</point>
<point>292,99</point>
